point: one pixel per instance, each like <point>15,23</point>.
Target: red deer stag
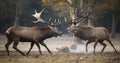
<point>92,34</point>
<point>34,34</point>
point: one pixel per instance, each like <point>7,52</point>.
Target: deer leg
<point>87,45</point>
<point>15,47</point>
<point>104,46</point>
<point>42,43</point>
<point>32,43</point>
<point>112,46</point>
<point>7,46</point>
<point>95,46</point>
<point>37,44</point>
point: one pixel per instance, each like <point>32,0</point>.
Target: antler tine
<point>41,11</point>
<point>81,18</point>
<point>65,19</point>
<point>59,22</point>
<point>35,21</point>
<point>81,11</point>
<point>55,21</point>
<point>89,11</point>
<point>68,21</point>
<point>35,11</point>
<point>81,14</point>
<point>50,19</point>
<point>38,16</point>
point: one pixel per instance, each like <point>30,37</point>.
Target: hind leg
<point>15,47</point>
<point>112,46</point>
<point>43,44</point>
<point>7,46</point>
<point>104,46</point>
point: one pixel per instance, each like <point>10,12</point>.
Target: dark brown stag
<point>34,34</point>
<point>90,33</point>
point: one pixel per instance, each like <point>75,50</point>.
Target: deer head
<point>52,26</point>
<point>75,23</point>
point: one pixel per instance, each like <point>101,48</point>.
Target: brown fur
<point>92,34</point>
<point>34,34</point>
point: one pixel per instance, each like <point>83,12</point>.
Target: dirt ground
<point>106,57</point>
<point>78,56</point>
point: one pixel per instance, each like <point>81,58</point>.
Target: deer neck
<point>84,33</point>
<point>49,34</point>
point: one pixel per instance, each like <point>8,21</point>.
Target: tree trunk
<point>17,16</point>
<point>114,24</point>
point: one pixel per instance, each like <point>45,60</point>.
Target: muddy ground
<point>76,56</point>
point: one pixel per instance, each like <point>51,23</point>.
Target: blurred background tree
<point>19,12</point>
<point>110,7</point>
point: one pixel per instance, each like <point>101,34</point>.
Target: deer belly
<point>26,37</point>
<point>26,40</point>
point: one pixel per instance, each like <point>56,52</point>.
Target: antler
<point>68,21</point>
<point>56,22</point>
<point>72,13</point>
<point>39,19</point>
<point>88,13</point>
<point>37,15</point>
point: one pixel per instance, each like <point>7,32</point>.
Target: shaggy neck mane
<point>86,27</point>
<point>49,33</point>
<point>84,32</point>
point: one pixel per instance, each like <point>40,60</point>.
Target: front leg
<point>96,42</point>
<point>43,44</point>
<point>37,44</point>
<point>32,44</point>
<point>87,45</point>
